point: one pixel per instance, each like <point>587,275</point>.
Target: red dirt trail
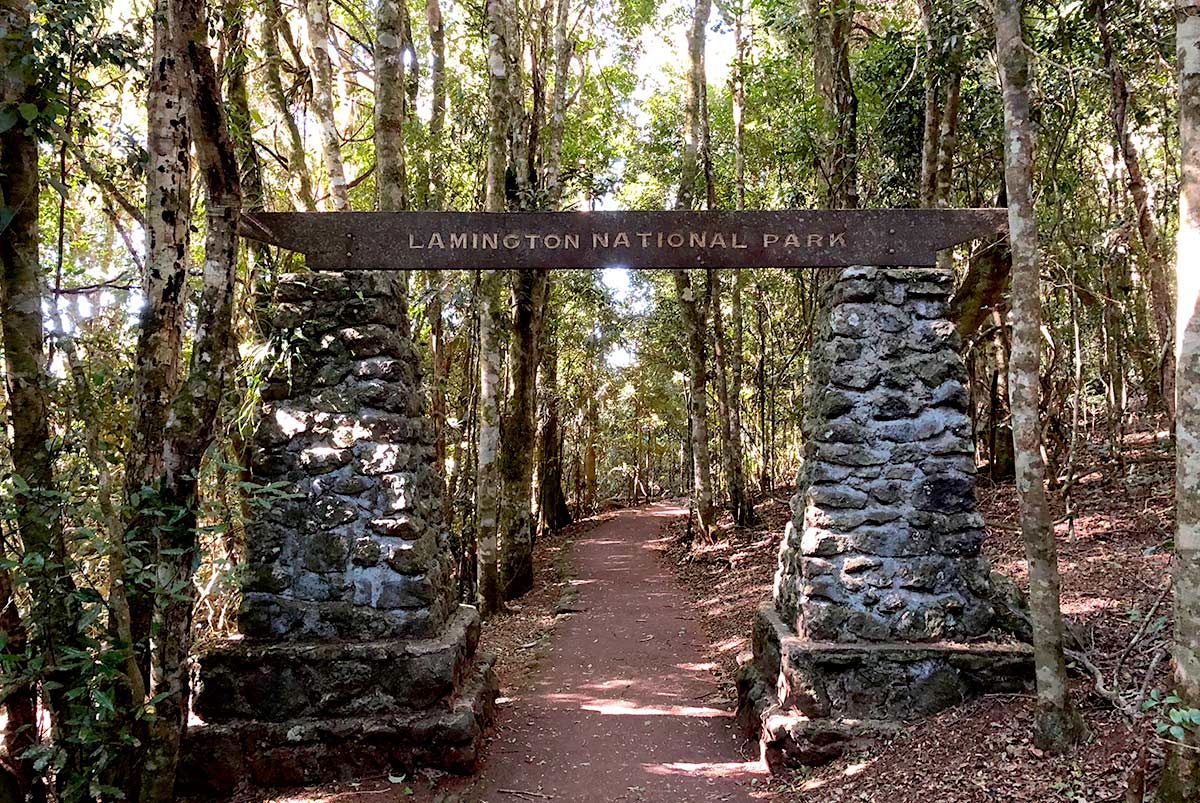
<point>623,707</point>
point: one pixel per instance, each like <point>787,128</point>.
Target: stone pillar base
<point>292,713</point>
<point>808,702</point>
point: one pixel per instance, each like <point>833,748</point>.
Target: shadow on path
<point>624,706</point>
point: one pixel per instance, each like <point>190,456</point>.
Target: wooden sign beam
<point>585,240</point>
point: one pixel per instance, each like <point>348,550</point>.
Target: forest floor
<point>1115,597</point>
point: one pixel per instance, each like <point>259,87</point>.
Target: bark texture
<point>731,452</point>
<point>694,325</point>
<point>54,619</point>
<point>837,143</point>
<point>437,116</point>
<point>693,125</point>
<point>297,164</point>
<point>1181,776</point>
<point>390,107</point>
<point>1058,726</point>
<point>318,45</point>
<point>518,435</point>
<point>491,318</point>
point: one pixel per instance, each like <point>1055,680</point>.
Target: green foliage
<point>1171,719</point>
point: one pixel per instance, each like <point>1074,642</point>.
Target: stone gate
<point>355,658</point>
<point>882,608</point>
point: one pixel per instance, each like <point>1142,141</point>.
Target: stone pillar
<point>882,607</point>
<point>355,658</point>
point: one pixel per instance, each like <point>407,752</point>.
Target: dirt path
<point>623,707</point>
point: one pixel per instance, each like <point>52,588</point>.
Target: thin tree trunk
<point>437,115</point>
<point>487,477</point>
<point>439,368</point>
<point>564,50</point>
<point>553,512</point>
<point>57,630</point>
<point>933,104</point>
<point>689,304</point>
<point>730,442</point>
<point>1156,258</point>
<point>744,514</point>
<point>740,45</point>
<point>693,317</point>
<point>158,354</point>
<point>272,66</point>
<point>390,107</point>
<point>693,126</point>
<point>1058,725</point>
<point>1181,776</point>
<point>318,45</point>
<point>519,431</point>
<point>20,702</point>
<point>491,319</point>
<point>48,564</point>
<point>837,163</point>
<point>193,411</point>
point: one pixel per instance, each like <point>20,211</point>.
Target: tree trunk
<point>297,164</point>
<point>437,115</point>
<point>439,369</point>
<point>1156,258</point>
<point>1181,776</point>
<point>491,319</point>
<point>1058,725</point>
<point>193,411</point>
<point>20,702</point>
<point>158,354</point>
<point>553,512</point>
<point>933,104</point>
<point>731,451</point>
<point>55,622</point>
<point>693,126</point>
<point>519,431</point>
<point>487,476</point>
<point>390,107</point>
<point>564,50</point>
<point>744,515</point>
<point>54,614</point>
<point>837,163</point>
<point>693,319</point>
<point>318,45</point>
<point>688,302</point>
<point>740,46</point>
